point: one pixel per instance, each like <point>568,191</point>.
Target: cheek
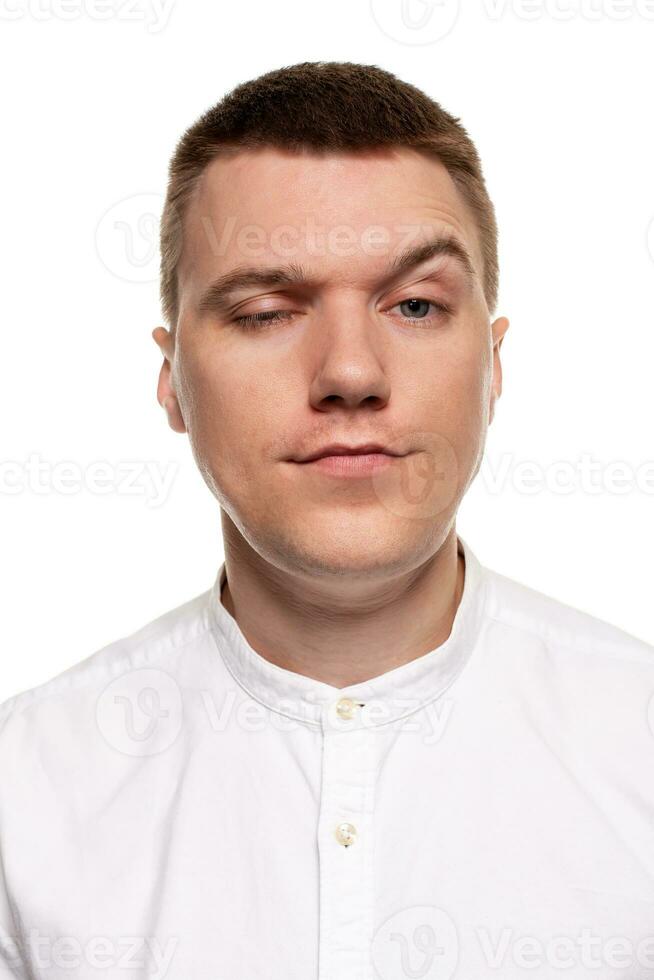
<point>468,390</point>
<point>235,417</point>
<point>472,408</point>
<point>456,395</point>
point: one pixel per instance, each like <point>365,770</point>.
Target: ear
<point>166,395</point>
<point>498,329</point>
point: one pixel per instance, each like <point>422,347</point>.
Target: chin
<point>345,547</point>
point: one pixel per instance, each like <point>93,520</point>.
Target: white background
<point>556,96</point>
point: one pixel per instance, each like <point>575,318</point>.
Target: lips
<point>340,449</point>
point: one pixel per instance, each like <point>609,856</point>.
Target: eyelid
<point>420,298</point>
<point>422,289</point>
<point>441,308</point>
<point>263,318</point>
<point>405,299</point>
<point>428,282</point>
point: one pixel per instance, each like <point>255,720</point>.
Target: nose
<point>349,370</point>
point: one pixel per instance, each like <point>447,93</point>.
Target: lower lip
<point>351,464</point>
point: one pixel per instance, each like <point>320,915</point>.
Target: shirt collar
<point>396,693</point>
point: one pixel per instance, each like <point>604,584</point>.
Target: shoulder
<point>536,620</point>
<point>59,710</point>
<point>583,687</point>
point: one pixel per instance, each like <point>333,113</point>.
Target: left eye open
<point>417,311</point>
<point>421,303</point>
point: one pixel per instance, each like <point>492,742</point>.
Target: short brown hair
<point>324,105</point>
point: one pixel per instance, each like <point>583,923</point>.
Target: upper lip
<point>340,449</point>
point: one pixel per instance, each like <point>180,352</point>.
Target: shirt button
<point>346,834</point>
<point>345,708</point>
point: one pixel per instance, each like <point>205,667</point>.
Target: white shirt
<point>177,806</point>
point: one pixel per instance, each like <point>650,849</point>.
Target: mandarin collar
<point>393,694</point>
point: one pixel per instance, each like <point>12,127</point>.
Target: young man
<point>360,754</point>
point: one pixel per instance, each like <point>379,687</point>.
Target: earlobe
<point>173,411</point>
<point>498,331</point>
<point>165,392</point>
<point>491,405</point>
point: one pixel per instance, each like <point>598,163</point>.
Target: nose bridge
<point>350,362</point>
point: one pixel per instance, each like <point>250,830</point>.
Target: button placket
<point>345,829</point>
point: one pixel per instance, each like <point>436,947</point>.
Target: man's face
<point>360,353</point>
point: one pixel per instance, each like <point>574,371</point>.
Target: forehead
<point>332,211</point>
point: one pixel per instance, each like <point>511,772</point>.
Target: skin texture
<point>340,579</point>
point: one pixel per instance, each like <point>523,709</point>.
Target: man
<point>360,754</point>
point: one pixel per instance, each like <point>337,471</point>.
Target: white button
<point>346,834</point>
<point>345,708</point>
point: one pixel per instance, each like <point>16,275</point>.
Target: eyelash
<point>271,316</point>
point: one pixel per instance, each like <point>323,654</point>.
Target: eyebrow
<point>216,298</point>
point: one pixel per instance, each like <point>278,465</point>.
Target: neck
<point>341,637</point>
